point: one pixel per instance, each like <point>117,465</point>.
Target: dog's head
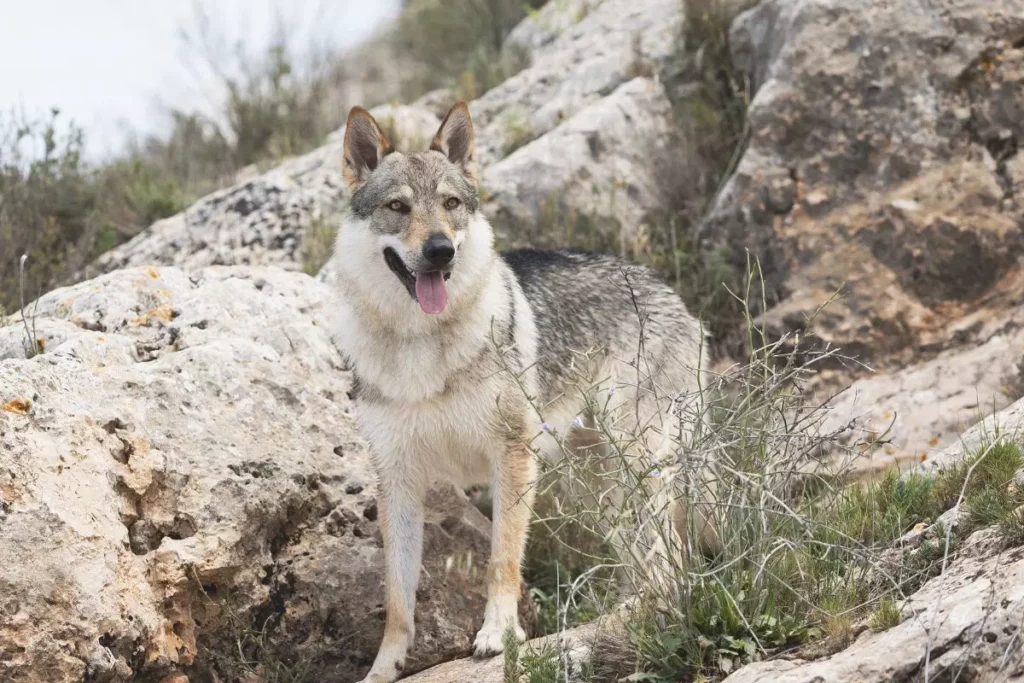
<point>414,211</point>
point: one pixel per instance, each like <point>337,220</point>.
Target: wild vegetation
<point>457,44</point>
<point>808,560</point>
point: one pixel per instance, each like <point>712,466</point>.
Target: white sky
<point>113,66</point>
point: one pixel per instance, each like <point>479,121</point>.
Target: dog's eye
<point>398,206</point>
<point>452,203</point>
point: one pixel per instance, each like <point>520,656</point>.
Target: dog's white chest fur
<point>428,396</point>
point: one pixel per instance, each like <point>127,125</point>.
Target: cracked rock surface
<point>184,451</point>
<point>882,178</point>
<point>881,164</point>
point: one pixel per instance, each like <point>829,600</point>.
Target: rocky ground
<point>183,450</point>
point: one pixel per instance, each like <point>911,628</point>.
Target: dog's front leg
<point>400,504</point>
<point>513,492</point>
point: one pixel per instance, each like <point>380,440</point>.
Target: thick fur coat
<point>471,364</point>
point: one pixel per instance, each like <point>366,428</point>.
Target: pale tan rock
<point>185,449</point>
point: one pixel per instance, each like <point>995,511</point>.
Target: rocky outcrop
<point>593,174</point>
<point>575,648</point>
<point>881,179</point>
<point>180,470</point>
<point>581,51</point>
<point>918,410</point>
<point>883,141</point>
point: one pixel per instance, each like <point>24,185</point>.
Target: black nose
<point>438,250</point>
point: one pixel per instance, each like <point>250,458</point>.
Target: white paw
<point>376,675</point>
<point>490,639</point>
<point>377,678</point>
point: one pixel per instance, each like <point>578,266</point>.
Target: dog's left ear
<point>455,139</point>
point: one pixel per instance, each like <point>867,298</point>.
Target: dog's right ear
<point>365,146</point>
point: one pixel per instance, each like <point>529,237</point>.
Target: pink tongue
<point>431,292</point>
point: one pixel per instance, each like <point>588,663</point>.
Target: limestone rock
<point>883,136</point>
<point>180,467</point>
<point>924,407</point>
<point>581,51</point>
<point>593,172</point>
<point>576,647</point>
<point>1005,425</point>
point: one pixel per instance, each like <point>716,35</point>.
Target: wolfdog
<point>469,365</point>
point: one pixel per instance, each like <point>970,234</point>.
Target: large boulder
<point>180,471</point>
<point>881,164</point>
<point>581,52</point>
<point>879,192</point>
<point>596,172</point>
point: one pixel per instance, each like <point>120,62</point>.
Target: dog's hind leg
<point>670,501</point>
<point>400,501</point>
<point>513,490</point>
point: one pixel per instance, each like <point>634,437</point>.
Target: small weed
<point>510,656</point>
<point>983,485</point>
<point>544,664</point>
<point>991,468</point>
<point>887,614</point>
<point>987,507</point>
<point>836,630</point>
<point>318,245</point>
<point>1011,526</point>
<point>880,512</point>
<point>33,342</point>
<point>251,656</point>
<point>541,666</point>
<point>518,132</point>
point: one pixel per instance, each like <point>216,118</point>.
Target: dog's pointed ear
<point>455,139</point>
<point>365,146</point>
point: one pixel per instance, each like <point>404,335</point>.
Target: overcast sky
<point>114,65</point>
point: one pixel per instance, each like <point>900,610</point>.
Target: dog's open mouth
<point>429,289</point>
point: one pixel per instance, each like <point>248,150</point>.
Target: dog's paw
<point>377,678</point>
<point>383,674</point>
<point>490,640</point>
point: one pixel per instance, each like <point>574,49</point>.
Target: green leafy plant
<point>886,615</point>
